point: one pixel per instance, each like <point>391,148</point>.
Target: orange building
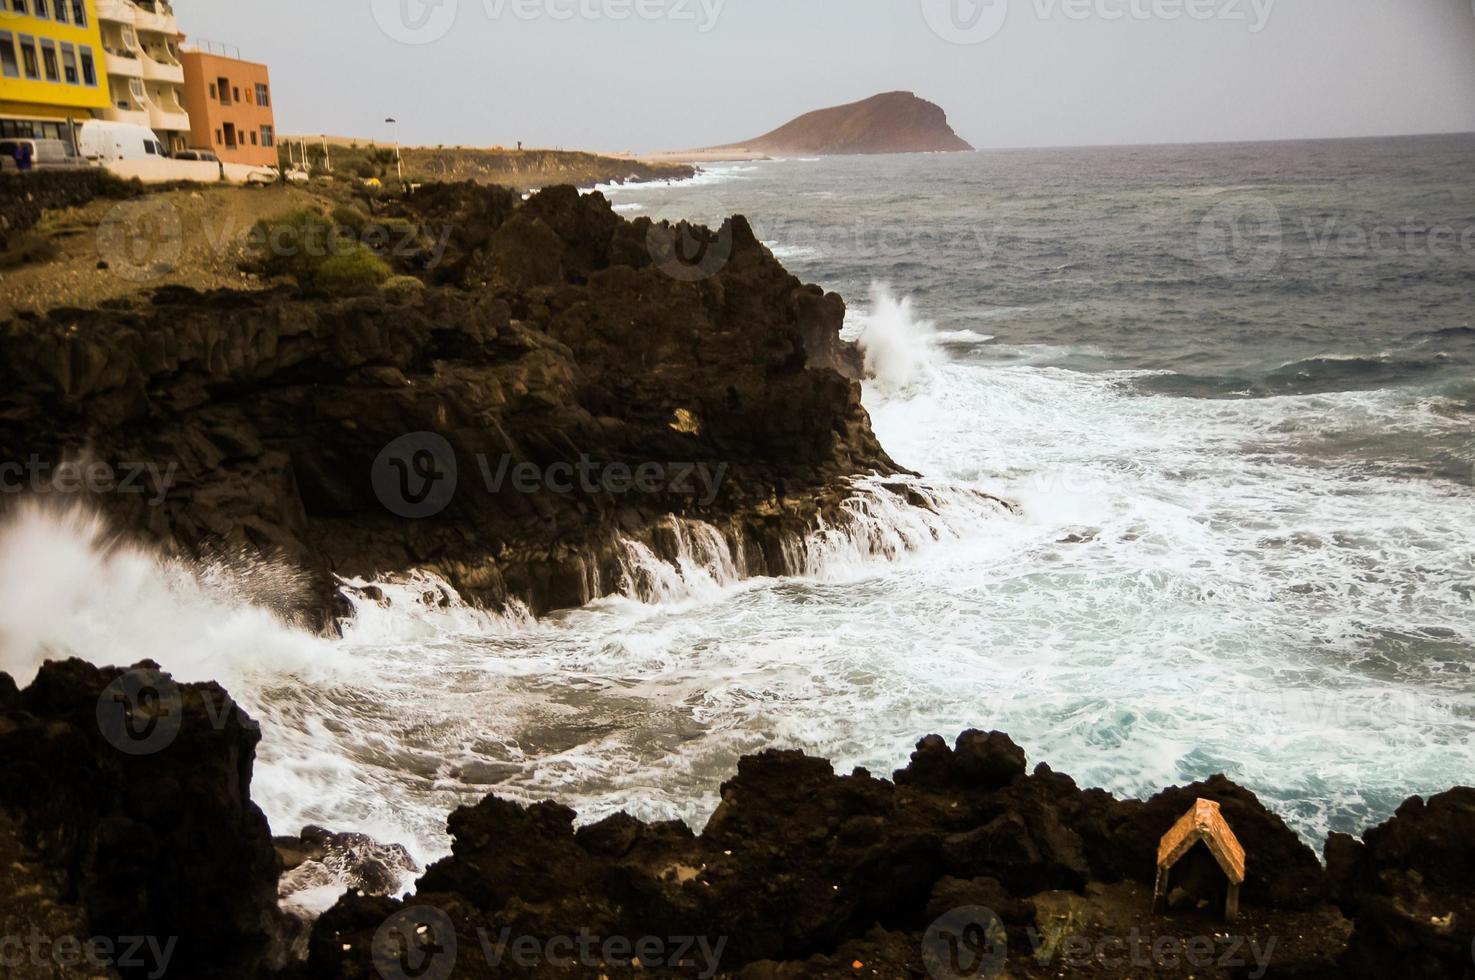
<point>229,102</point>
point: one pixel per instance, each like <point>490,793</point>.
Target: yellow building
<point>51,66</point>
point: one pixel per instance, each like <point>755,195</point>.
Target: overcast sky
<point>655,74</point>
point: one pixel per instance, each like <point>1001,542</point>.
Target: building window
<point>230,136</point>
<point>253,139</point>
<point>41,8</point>
<point>263,94</point>
<point>218,138</point>
<point>268,136</point>
<point>48,59</point>
<point>224,85</point>
<point>89,68</point>
<point>19,6</point>
<point>236,94</point>
<point>28,57</point>
<point>79,12</point>
<point>61,11</point>
<point>213,93</point>
<point>9,66</point>
<point>69,65</point>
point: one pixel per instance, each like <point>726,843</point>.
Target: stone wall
<point>24,196</point>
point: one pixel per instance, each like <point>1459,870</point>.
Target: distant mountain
<point>895,122</point>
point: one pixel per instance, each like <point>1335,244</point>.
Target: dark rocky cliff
<point>549,332</point>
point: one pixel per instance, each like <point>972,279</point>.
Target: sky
<point>643,75</point>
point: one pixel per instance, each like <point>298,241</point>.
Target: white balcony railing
<point>123,63</point>
<point>138,117</point>
<point>116,11</point>
<point>166,119</point>
<point>162,71</point>
<point>145,20</point>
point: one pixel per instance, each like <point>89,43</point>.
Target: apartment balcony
<point>139,117</point>
<point>168,119</point>
<point>162,71</point>
<point>116,11</point>
<point>160,23</point>
<point>123,64</point>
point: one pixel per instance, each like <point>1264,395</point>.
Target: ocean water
<point>1230,388</point>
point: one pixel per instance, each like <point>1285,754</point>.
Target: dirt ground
<point>110,250</point>
<point>1111,932</point>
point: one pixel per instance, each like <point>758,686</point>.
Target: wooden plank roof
<point>1204,823</point>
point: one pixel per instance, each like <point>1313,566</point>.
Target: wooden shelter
<point>1200,859</point>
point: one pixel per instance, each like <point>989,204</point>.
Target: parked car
<point>106,142</point>
<point>26,154</point>
<point>203,156</point>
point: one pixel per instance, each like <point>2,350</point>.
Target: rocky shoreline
<point>134,814</point>
<point>580,382</point>
<point>571,380</point>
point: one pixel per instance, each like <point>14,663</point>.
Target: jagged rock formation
<point>894,122</point>
<point>135,794</point>
<point>132,818</point>
<point>805,873</point>
<point>1410,886</point>
<point>549,332</point>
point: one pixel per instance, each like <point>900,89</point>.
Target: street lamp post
<point>399,160</point>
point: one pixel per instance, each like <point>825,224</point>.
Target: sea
<point>1230,390</point>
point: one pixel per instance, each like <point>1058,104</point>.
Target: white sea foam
<point>900,347</point>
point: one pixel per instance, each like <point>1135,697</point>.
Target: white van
<point>107,142</point>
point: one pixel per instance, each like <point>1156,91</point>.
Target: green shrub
<point>403,287</point>
<point>352,271</point>
<point>350,217</point>
<point>318,251</point>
